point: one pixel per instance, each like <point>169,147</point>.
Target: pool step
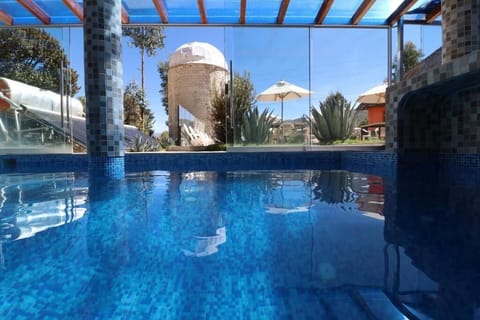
<point>350,302</point>
<point>361,304</point>
<point>342,305</point>
<point>378,305</point>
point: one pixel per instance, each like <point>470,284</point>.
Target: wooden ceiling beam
<point>399,12</point>
<point>361,11</point>
<point>75,8</point>
<point>161,9</point>
<point>34,9</point>
<point>202,11</point>
<point>243,11</point>
<point>282,11</point>
<point>432,15</point>
<point>323,11</point>
<point>6,18</point>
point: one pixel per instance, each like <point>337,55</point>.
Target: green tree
<point>146,38</point>
<point>135,108</point>
<point>162,68</point>
<point>35,57</point>
<point>148,121</point>
<point>220,121</point>
<point>411,57</point>
<point>221,115</point>
<point>335,119</point>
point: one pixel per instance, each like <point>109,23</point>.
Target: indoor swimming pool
<point>264,244</point>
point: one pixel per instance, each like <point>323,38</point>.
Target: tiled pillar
<point>460,28</point>
<point>103,87</point>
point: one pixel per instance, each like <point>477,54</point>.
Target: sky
<point>346,60</point>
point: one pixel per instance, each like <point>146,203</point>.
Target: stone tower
<point>196,72</point>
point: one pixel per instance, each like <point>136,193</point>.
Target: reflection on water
<point>334,244</point>
<point>290,192</point>
<point>196,206</point>
<point>437,223</point>
<point>35,203</point>
<point>334,187</point>
<point>207,245</point>
<point>297,192</point>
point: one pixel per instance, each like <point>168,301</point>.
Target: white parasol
<point>375,95</point>
<point>282,90</point>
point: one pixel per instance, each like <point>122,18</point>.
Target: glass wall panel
<point>425,38</point>
<point>349,62</point>
<point>275,63</point>
<point>35,81</point>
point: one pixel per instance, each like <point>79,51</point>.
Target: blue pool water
<point>300,244</point>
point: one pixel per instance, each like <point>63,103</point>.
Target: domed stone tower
<point>196,71</point>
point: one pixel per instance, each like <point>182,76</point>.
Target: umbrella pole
<point>281,121</point>
<point>281,111</point>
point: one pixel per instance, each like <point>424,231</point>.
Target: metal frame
<point>161,8</point>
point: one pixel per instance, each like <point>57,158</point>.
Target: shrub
<point>141,144</point>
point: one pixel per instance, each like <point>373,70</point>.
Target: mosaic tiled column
<point>103,87</point>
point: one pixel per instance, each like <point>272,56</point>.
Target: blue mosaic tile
<point>124,257</point>
<point>109,167</point>
<point>103,61</point>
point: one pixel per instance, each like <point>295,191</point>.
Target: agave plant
<point>141,144</point>
<point>334,187</point>
<point>256,126</point>
<point>164,140</point>
<point>335,119</point>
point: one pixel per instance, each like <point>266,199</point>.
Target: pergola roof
<point>228,12</point>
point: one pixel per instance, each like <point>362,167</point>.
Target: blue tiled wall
<point>109,167</point>
<point>379,163</point>
<point>223,161</point>
<point>44,162</point>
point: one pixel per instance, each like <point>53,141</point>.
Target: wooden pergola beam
<point>243,11</point>
<point>125,17</point>
<point>6,18</point>
<point>432,15</point>
<point>323,11</point>
<point>161,9</point>
<point>282,11</point>
<point>75,8</point>
<point>202,11</point>
<point>361,11</point>
<point>399,12</point>
<point>34,9</point>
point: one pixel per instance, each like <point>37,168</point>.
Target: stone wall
<point>193,86</point>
